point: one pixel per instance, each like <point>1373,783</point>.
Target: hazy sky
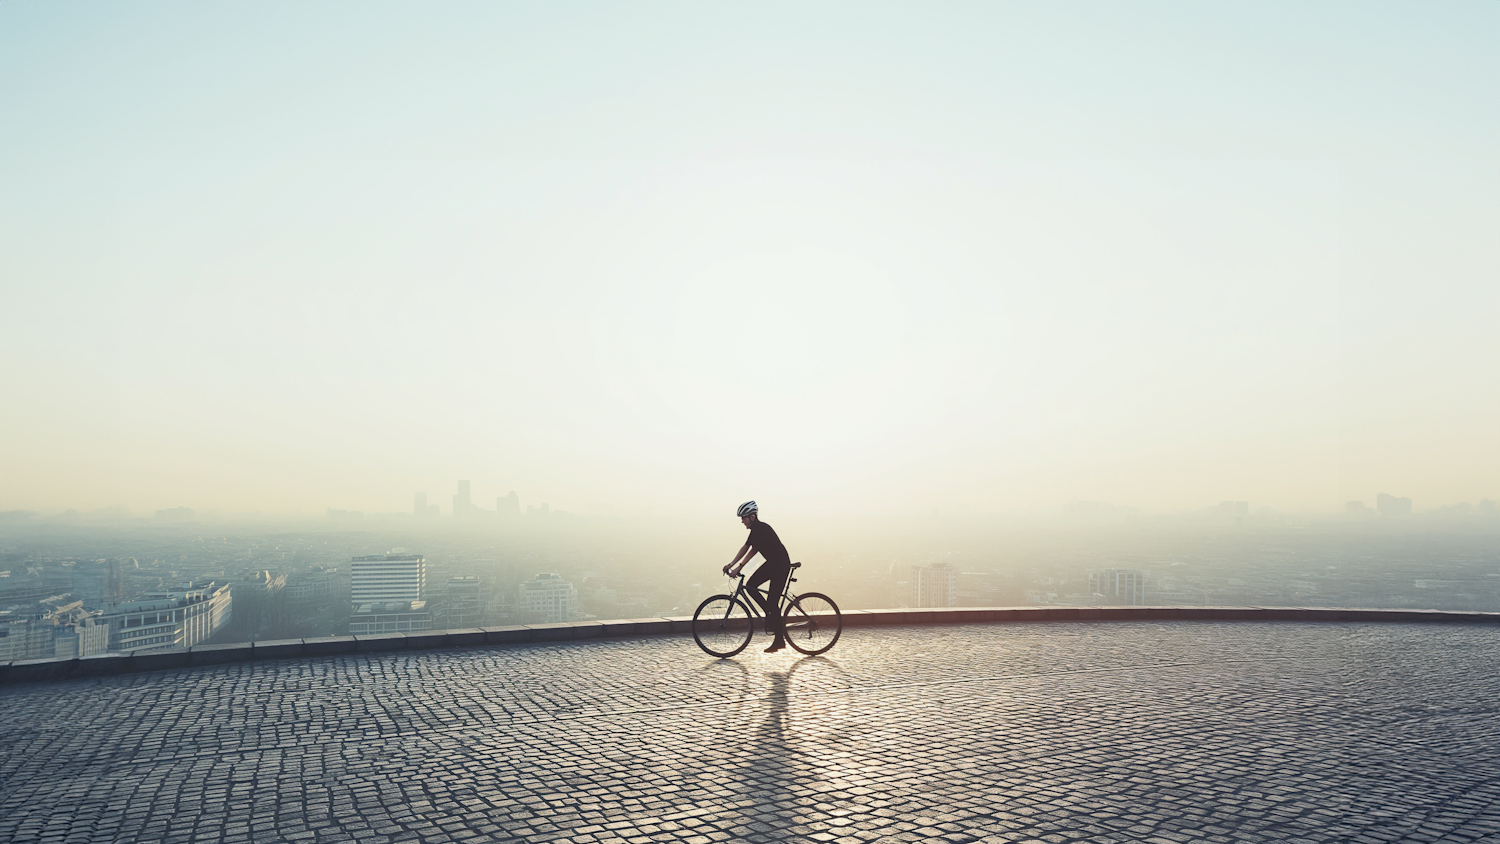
<point>839,257</point>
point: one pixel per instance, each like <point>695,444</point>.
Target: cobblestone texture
<point>1165,733</point>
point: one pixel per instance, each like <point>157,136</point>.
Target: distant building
<point>176,514</point>
<point>319,584</point>
<point>548,598</point>
<point>85,637</point>
<point>76,631</point>
<point>541,511</point>
<point>419,506</point>
<point>24,638</point>
<point>1119,586</point>
<point>934,585</point>
<point>1356,508</point>
<point>463,505</point>
<point>389,617</point>
<point>388,594</point>
<point>316,601</point>
<point>1390,505</point>
<point>387,577</point>
<point>462,603</point>
<point>260,606</point>
<point>508,507</point>
<point>169,618</point>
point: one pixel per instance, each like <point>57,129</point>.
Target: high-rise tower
<point>934,585</point>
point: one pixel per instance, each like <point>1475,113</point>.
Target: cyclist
<point>774,570</point>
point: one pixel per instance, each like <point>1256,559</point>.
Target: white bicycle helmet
<point>746,509</point>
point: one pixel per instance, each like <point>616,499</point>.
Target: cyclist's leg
<point>752,588</point>
<point>777,589</point>
<point>775,576</point>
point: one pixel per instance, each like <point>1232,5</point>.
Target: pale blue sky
<point>847,257</point>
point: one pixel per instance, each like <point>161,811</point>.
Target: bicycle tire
<point>813,623</point>
<point>725,629</point>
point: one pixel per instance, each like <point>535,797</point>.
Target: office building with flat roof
<point>387,594</point>
<point>169,618</point>
<point>387,577</point>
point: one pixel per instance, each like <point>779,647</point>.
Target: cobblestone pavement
<point>1169,732</point>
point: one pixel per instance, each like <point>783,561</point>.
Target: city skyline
<point>509,506</point>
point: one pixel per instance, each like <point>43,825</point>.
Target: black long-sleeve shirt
<point>764,540</point>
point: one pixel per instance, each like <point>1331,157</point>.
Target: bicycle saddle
<point>794,565</point>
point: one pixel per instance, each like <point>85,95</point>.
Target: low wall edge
<point>123,662</point>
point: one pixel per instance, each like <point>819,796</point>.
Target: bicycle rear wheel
<point>813,623</point>
<point>722,626</point>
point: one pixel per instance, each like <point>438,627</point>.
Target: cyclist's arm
<point>747,552</point>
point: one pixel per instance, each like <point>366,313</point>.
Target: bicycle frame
<point>742,594</point>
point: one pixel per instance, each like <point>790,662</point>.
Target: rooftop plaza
<point>1159,731</point>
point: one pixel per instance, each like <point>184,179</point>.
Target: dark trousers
<point>774,574</point>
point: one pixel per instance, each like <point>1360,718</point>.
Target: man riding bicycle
<point>775,569</point>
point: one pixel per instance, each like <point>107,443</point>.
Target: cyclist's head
<point>748,512</point>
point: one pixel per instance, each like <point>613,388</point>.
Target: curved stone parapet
<point>34,670</point>
<point>1075,731</point>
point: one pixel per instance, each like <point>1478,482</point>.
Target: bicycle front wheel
<point>722,626</point>
<point>813,623</point>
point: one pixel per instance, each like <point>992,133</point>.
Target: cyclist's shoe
<point>776,645</point>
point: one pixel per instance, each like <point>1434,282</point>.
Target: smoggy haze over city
<point>841,258</point>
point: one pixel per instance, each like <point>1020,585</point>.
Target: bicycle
<point>724,624</point>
